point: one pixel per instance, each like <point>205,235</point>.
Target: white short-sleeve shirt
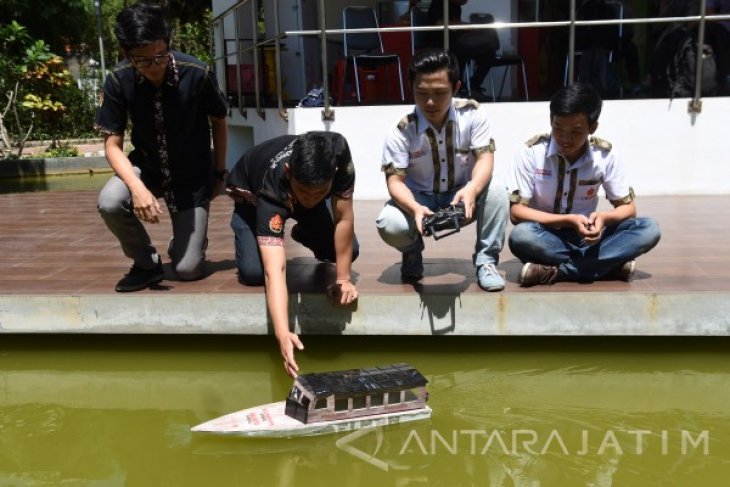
<point>543,179</point>
<point>438,161</point>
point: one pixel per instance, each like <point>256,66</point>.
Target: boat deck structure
<point>60,264</point>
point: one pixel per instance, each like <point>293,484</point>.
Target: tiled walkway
<point>54,244</point>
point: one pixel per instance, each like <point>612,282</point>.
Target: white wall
<point>668,150</point>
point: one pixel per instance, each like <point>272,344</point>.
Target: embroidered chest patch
<point>276,224</point>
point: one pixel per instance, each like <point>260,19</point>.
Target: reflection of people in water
<point>479,45</point>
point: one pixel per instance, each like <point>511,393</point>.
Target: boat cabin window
<point>320,404</point>
<point>394,397</point>
<point>410,395</point>
<point>341,404</point>
<point>358,402</point>
<point>376,399</point>
<point>295,394</point>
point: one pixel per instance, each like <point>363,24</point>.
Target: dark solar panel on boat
<point>354,381</point>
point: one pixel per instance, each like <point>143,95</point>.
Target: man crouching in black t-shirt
<point>310,178</point>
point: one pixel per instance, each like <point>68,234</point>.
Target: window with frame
<point>376,399</point>
<point>341,404</point>
<point>394,397</point>
<point>410,395</point>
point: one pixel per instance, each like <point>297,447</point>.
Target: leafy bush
<point>60,150</point>
<point>192,37</point>
<point>45,103</point>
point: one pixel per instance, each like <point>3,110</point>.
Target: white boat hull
<point>269,420</point>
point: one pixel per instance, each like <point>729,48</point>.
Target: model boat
<point>330,402</point>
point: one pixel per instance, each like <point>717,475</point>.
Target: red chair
<point>364,51</point>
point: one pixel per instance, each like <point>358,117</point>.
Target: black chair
<point>596,47</point>
<point>420,39</point>
<point>501,60</point>
<point>366,49</point>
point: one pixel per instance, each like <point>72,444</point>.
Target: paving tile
<point>56,243</point>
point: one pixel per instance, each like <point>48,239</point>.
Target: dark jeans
<point>315,230</point>
<point>576,260</point>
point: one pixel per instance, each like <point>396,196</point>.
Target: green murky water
<point>111,410</point>
<point>70,182</point>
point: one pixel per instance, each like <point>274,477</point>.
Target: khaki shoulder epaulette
<point>538,139</point>
<point>408,119</point>
<point>461,103</point>
<point>601,143</point>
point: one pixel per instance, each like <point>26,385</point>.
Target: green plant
<point>192,37</point>
<point>61,150</point>
<point>47,74</point>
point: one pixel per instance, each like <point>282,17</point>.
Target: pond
<point>117,410</point>
<point>69,182</point>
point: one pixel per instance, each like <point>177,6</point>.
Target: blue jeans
<point>398,228</point>
<point>576,260</point>
<point>316,232</point>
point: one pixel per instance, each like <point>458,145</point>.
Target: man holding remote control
<point>439,155</point>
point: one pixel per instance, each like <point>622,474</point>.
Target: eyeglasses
<point>146,62</point>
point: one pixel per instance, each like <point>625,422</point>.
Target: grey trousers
<point>189,230</point>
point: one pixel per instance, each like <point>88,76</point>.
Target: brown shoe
<point>533,274</point>
<point>624,272</point>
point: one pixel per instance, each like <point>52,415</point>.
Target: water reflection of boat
<point>331,402</point>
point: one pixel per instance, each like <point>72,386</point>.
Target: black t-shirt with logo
<point>259,179</point>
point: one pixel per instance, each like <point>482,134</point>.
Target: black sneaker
<point>138,279</point>
<point>411,267</point>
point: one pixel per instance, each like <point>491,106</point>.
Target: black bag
<point>681,71</point>
<point>448,221</point>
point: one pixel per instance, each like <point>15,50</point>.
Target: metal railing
<point>695,103</point>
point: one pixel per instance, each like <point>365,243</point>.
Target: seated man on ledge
<point>554,184</point>
<point>310,178</point>
<point>442,154</point>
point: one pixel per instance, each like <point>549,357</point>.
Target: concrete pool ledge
<point>53,166</point>
<point>533,313</point>
<point>59,266</point>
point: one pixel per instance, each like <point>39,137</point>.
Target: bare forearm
<point>619,214</point>
<point>482,172</point>
<point>344,236</point>
<point>521,214</point>
<point>401,194</point>
<point>277,301</point>
<point>119,162</point>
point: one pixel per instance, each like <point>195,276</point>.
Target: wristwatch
<point>221,175</point>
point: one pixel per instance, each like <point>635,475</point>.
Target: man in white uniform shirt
<point>554,183</point>
<point>439,155</point>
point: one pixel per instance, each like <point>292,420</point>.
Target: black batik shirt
<point>259,179</point>
<point>170,126</point>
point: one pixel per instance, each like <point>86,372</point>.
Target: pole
<point>97,11</point>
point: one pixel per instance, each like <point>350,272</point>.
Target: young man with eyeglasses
<point>172,101</point>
